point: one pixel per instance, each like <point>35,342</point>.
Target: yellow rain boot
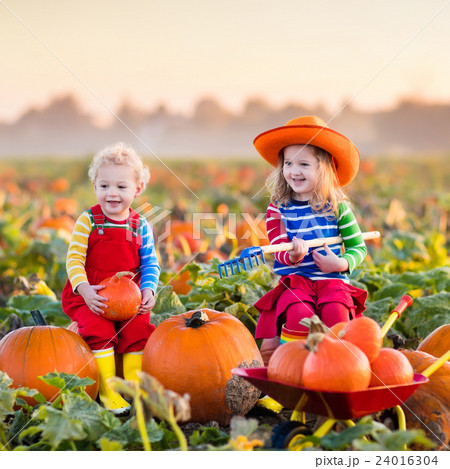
<point>110,399</point>
<point>132,363</point>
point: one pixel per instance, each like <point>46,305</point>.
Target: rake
<point>253,256</point>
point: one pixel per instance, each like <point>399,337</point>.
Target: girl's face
<point>300,170</point>
<point>116,187</point>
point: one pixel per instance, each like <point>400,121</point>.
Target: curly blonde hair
<point>120,153</point>
<point>327,194</point>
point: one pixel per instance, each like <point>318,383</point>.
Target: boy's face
<point>116,187</point>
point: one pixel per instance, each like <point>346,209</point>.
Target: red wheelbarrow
<point>335,406</point>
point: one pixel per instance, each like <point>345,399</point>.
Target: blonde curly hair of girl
<point>120,153</point>
<point>327,194</point>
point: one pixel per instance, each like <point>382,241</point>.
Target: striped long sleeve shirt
<point>76,255</point>
<point>298,219</point>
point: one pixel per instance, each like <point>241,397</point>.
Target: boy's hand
<point>330,262</point>
<point>299,252</point>
<point>148,301</point>
<point>91,297</point>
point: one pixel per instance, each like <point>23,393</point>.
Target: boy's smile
<point>116,187</point>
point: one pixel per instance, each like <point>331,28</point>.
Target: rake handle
<point>314,243</point>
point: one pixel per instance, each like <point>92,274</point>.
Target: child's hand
<point>148,301</point>
<point>330,262</point>
<point>299,252</point>
<point>91,297</point>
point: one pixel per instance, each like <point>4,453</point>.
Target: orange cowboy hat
<point>311,130</point>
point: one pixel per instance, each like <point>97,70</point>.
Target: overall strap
<point>134,222</point>
<point>99,218</point>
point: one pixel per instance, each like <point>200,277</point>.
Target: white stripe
<point>79,233</point>
<point>71,252</point>
<point>78,275</point>
<point>69,269</point>
<point>76,244</point>
<point>347,225</point>
<point>346,211</point>
<point>352,236</point>
<point>278,237</point>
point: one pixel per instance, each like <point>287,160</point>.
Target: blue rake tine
<point>248,254</point>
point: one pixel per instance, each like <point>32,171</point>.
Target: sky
<point>175,52</point>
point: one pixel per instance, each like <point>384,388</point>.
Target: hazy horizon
<point>370,55</point>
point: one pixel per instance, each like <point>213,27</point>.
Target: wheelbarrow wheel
<point>286,431</point>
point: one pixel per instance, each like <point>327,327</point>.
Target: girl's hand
<point>299,252</point>
<point>148,301</point>
<point>330,262</point>
<point>92,298</point>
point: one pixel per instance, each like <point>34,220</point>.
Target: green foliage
<point>21,305</point>
<point>366,435</point>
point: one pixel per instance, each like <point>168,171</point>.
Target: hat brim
<point>344,152</point>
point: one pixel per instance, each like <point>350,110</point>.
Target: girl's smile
<point>300,170</point>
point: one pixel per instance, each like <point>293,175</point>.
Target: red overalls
<point>110,250</point>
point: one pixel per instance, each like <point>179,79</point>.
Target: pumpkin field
<point>203,213</point>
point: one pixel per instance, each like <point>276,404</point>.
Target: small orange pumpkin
<point>29,352</point>
<point>286,363</point>
<point>124,297</point>
<point>194,353</point>
<point>180,283</point>
<point>364,332</point>
<point>437,342</point>
<point>391,367</point>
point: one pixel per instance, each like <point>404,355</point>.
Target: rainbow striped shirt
<point>76,255</point>
<point>298,219</point>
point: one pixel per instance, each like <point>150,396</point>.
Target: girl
<point>108,238</point>
<point>313,164</point>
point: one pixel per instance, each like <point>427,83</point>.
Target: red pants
<point>297,297</point>
<point>100,333</point>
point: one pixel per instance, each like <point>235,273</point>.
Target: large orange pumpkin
<point>429,407</point>
<point>194,353</point>
<point>124,297</point>
<point>437,342</point>
<point>334,365</point>
<point>29,352</point>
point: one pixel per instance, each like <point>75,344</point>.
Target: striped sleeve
<point>276,232</point>
<point>355,248</point>
<point>149,265</point>
<point>76,254</point>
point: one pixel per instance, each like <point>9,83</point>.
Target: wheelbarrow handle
<point>314,243</point>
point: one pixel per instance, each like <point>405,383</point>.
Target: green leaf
<point>128,434</point>
<point>208,435</point>
<point>7,396</point>
<point>392,290</point>
<point>96,420</point>
<point>167,302</point>
<point>428,313</point>
<point>57,426</point>
<point>66,381</point>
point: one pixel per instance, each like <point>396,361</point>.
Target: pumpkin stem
<point>314,340</point>
<point>197,319</point>
<point>119,275</point>
<point>316,325</point>
<point>38,318</point>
